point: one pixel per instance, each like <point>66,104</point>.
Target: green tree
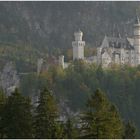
<point>2,105</point>
<point>46,124</point>
<point>101,120</point>
<point>17,117</point>
<point>70,130</point>
<point>130,131</point>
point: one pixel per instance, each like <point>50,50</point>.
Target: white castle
<point>113,50</point>
<point>117,50</point>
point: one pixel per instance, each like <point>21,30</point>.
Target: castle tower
<point>61,61</point>
<point>137,40</point>
<point>78,46</point>
<point>39,65</point>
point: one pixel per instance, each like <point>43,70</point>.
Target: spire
<point>113,33</point>
<point>118,32</point>
<point>105,37</point>
<point>137,18</point>
<point>119,35</point>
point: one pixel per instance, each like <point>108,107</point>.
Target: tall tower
<point>61,61</point>
<point>78,46</point>
<point>137,40</point>
<point>39,65</point>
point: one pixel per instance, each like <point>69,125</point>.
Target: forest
<point>21,118</point>
<point>51,24</point>
<point>74,85</point>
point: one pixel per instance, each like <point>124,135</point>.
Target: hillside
<point>73,86</point>
<point>51,24</point>
<point>30,30</point>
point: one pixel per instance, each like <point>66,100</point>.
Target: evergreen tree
<point>101,120</point>
<point>2,105</point>
<point>130,131</point>
<point>17,117</point>
<point>46,124</point>
<point>70,130</point>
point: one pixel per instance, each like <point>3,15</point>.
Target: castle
<point>113,50</point>
<point>119,50</point>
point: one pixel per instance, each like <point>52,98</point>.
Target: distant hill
<point>51,24</point>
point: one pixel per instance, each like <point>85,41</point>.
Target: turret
<point>78,35</point>
<point>78,46</point>
<point>137,40</point>
<point>39,65</point>
<point>61,60</point>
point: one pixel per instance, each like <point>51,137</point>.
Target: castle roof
<point>117,42</point>
<point>79,31</point>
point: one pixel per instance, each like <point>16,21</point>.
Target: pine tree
<point>101,120</point>
<point>130,131</point>
<point>70,130</point>
<point>46,124</point>
<point>2,105</point>
<point>17,117</point>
